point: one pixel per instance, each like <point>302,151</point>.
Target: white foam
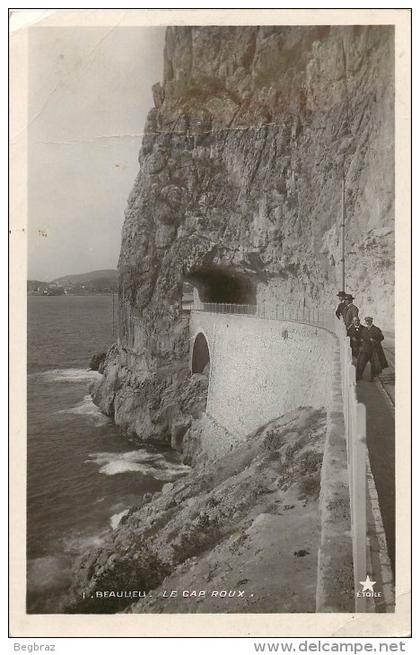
<point>87,408</point>
<point>139,461</point>
<point>78,543</point>
<point>68,375</point>
<point>112,468</point>
<point>116,518</point>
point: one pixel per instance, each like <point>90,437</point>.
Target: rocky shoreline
<point>147,408</point>
<point>225,526</point>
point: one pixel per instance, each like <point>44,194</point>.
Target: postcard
<point>210,323</point>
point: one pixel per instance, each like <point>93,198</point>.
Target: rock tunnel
<point>219,285</point>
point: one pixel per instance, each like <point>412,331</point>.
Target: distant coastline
<point>102,282</point>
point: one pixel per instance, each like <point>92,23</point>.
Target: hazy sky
<point>89,94</point>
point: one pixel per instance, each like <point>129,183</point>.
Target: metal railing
<point>270,312</point>
<point>225,308</point>
<point>354,416</point>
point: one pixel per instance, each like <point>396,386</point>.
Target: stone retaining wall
<point>261,369</point>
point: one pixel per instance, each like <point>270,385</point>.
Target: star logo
<point>367,584</point>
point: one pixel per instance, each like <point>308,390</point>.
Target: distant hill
<point>104,281</point>
<point>81,278</point>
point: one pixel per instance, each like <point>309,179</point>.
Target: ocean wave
<point>139,461</point>
<point>79,543</point>
<point>87,408</point>
<point>68,375</point>
<point>116,518</point>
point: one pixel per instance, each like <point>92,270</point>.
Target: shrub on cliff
<point>204,533</point>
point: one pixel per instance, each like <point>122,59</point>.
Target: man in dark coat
<point>371,350</point>
<point>339,311</point>
<point>350,311</point>
<point>355,334</point>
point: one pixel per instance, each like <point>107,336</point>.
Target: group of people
<point>365,340</point>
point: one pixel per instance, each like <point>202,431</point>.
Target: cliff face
<point>239,193</point>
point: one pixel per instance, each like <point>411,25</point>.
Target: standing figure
<point>371,350</point>
<point>350,311</point>
<point>355,334</point>
<point>341,305</point>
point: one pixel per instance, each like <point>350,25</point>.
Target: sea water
<point>82,475</point>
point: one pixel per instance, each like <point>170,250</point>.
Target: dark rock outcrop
<point>97,362</point>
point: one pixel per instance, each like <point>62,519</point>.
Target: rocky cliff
<point>239,193</point>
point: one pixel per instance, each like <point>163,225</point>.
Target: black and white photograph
<point>211,317</point>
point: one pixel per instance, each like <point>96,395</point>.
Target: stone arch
<point>200,356</point>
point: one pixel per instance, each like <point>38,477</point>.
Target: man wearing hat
<point>350,310</point>
<point>355,334</point>
<point>371,350</point>
<point>342,304</point>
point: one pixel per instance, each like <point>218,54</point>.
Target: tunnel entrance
<point>200,355</point>
<point>217,285</point>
